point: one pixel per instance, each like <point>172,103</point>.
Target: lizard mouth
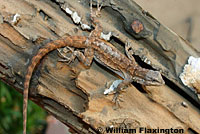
<point>151,78</point>
<point>155,78</point>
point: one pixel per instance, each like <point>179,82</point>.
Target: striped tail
<point>42,52</point>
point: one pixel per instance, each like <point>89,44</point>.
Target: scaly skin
<point>75,41</point>
<point>104,53</point>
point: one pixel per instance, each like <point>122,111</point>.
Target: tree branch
<point>80,102</point>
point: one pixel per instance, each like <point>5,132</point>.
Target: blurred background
<point>182,16</point>
<point>11,103</point>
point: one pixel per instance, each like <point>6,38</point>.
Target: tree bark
<point>74,94</point>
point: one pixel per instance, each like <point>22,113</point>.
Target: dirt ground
<point>182,16</point>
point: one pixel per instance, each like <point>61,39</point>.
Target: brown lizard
<point>103,52</point>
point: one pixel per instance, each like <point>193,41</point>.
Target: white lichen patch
<point>106,36</point>
<point>76,18</point>
<point>15,18</point>
<point>147,61</point>
<point>112,87</point>
<point>68,11</point>
<point>191,74</point>
<point>85,27</point>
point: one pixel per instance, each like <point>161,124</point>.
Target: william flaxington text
<point>144,130</point>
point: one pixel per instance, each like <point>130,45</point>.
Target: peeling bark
<point>74,94</point>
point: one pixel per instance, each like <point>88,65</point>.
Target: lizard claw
<point>68,60</point>
<point>68,49</point>
<point>97,13</point>
<point>129,51</point>
<point>117,99</point>
<point>114,87</point>
<point>65,60</point>
<point>99,6</point>
<point>64,52</point>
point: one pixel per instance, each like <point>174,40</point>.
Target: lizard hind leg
<point>64,53</point>
<point>85,58</point>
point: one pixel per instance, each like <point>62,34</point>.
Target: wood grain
<point>80,103</point>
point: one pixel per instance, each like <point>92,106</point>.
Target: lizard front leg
<point>123,85</point>
<point>117,86</point>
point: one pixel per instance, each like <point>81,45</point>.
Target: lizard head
<point>148,77</point>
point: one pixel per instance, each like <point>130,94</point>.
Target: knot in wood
<point>137,26</point>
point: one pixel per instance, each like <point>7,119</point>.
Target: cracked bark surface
<point>79,102</point>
